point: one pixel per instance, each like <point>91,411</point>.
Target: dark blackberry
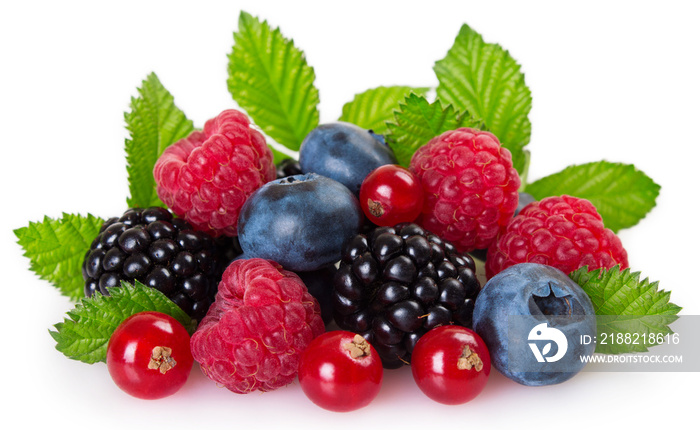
<point>320,285</point>
<point>288,167</point>
<point>394,284</point>
<point>162,252</point>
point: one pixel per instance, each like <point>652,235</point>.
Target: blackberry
<point>394,284</point>
<point>160,251</point>
<point>320,285</point>
<point>288,167</point>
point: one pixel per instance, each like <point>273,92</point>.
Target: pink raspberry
<point>470,187</point>
<point>207,176</point>
<point>254,333</point>
<point>565,232</point>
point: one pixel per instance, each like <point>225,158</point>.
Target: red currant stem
<point>402,359</point>
<point>161,359</point>
<point>375,208</point>
<point>469,359</point>
<point>358,347</point>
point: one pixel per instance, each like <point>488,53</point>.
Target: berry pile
<point>394,284</point>
<point>265,258</point>
<point>311,260</point>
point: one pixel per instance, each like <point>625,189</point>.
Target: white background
<point>609,80</point>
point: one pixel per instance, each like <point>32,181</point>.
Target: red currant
<point>340,371</point>
<point>148,355</point>
<point>391,194</point>
<point>451,364</point>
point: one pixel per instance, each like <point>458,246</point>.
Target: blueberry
<point>344,152</point>
<point>524,199</point>
<point>302,222</point>
<point>530,313</point>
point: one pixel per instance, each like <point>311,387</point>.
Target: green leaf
<point>373,108</point>
<point>622,194</point>
<point>625,304</point>
<point>154,123</point>
<point>84,334</point>
<point>417,121</point>
<point>56,249</point>
<point>269,78</point>
<point>483,79</point>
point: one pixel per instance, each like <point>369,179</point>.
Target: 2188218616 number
<point>638,338</point>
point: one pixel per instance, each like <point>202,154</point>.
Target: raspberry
<point>394,284</point>
<point>207,176</point>
<point>254,333</point>
<point>470,186</point>
<point>565,232</point>
<point>162,252</point>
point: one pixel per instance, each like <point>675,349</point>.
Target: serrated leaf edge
<point>67,220</point>
<point>246,22</point>
<point>88,310</point>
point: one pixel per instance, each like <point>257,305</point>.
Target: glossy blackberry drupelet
<point>160,251</point>
<point>396,283</point>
